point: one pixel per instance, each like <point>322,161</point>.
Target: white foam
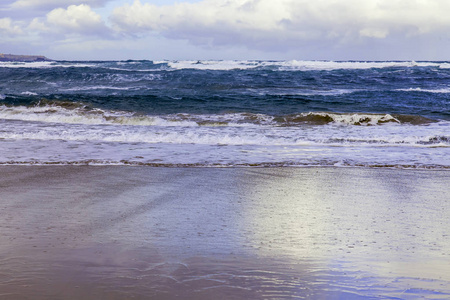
<point>295,65</point>
<point>44,65</point>
<point>436,91</point>
<point>99,87</point>
<point>213,65</point>
<point>82,115</point>
<point>132,70</point>
<point>27,93</point>
<point>356,136</point>
<point>444,65</point>
<point>348,65</point>
<point>300,92</point>
<point>58,114</point>
<point>292,65</point>
<point>360,119</point>
<point>48,115</point>
<point>109,143</point>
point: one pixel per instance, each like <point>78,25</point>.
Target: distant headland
<point>23,58</point>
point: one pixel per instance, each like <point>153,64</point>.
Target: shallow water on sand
<point>233,233</point>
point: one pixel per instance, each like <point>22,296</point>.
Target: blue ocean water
<point>226,113</point>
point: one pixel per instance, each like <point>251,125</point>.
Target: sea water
<point>226,113</point>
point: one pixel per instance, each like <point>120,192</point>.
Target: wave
<point>79,122</point>
<point>204,136</point>
<point>296,65</point>
<point>28,93</point>
<point>46,65</point>
<point>325,164</point>
<point>435,91</point>
<point>98,87</point>
<point>320,118</point>
<point>79,113</point>
<point>299,92</point>
<point>226,65</point>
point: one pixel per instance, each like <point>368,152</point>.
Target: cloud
<point>74,19</point>
<point>8,28</point>
<point>47,5</point>
<point>268,29</point>
<point>269,24</point>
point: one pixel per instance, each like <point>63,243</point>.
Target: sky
<point>227,29</point>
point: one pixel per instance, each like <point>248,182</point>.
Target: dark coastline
<point>23,58</point>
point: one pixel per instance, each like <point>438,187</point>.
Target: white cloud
<point>75,19</point>
<point>8,28</point>
<point>51,4</point>
<point>265,24</point>
<point>38,25</point>
<point>231,29</point>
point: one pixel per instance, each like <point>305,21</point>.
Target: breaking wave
<point>295,65</point>
<point>79,113</point>
<point>435,91</point>
<point>226,65</point>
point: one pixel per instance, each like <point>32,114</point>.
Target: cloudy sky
<point>227,29</point>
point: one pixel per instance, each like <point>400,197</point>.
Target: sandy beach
<point>117,232</point>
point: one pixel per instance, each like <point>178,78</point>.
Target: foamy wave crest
<point>435,91</point>
<point>394,140</point>
<point>185,136</point>
<point>78,113</point>
<point>318,118</point>
<point>28,93</point>
<point>288,140</point>
<point>223,65</point>
<point>72,113</point>
<point>353,65</point>
<point>226,65</point>
<point>295,65</point>
<point>361,119</point>
<point>45,65</point>
<point>98,87</point>
<point>298,92</point>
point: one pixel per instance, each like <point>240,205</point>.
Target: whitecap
<point>295,65</point>
<point>436,91</point>
<point>222,65</point>
<point>45,65</point>
<point>99,87</point>
<point>27,93</point>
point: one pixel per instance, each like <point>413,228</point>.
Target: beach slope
<point>84,232</point>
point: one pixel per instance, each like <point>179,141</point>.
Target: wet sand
<point>84,232</point>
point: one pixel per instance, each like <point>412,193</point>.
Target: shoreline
<point>225,166</point>
<point>234,233</point>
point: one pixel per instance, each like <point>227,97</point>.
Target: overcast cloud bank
<point>369,29</point>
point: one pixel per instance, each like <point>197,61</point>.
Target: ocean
<point>226,113</point>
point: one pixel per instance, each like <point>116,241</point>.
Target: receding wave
<point>98,162</point>
<point>79,113</point>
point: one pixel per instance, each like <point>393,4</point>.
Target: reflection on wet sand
<point>164,233</point>
<point>341,213</point>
